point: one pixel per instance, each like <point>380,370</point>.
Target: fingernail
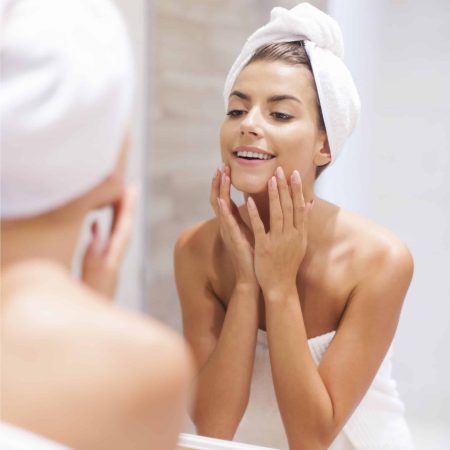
<point>296,177</point>
<point>251,203</point>
<point>223,178</point>
<point>273,183</point>
<point>219,203</point>
<point>280,173</point>
<point>223,168</point>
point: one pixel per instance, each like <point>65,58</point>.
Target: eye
<point>281,116</point>
<point>235,113</point>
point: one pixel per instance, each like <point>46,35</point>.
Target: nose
<point>251,125</point>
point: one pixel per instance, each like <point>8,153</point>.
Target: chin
<point>249,184</point>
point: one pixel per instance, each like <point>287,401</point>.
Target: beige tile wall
<point>194,45</point>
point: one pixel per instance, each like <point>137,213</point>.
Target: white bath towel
<point>324,45</point>
<point>65,95</point>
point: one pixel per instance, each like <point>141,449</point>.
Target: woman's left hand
<point>279,253</point>
<point>102,261</point>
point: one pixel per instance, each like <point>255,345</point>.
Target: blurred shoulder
<point>45,308</point>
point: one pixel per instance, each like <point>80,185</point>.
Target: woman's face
<point>272,120</point>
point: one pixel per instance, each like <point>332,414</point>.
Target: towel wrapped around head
<point>66,90</point>
<point>324,45</point>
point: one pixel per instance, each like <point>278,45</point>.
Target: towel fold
<point>324,45</point>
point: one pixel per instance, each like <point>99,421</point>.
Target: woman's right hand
<point>237,237</point>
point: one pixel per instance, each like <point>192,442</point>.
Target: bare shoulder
<point>374,248</point>
<point>197,240</point>
<point>45,311</point>
<point>68,352</point>
<point>194,254</point>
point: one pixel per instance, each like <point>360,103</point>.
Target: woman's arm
<point>223,343</point>
<point>316,402</point>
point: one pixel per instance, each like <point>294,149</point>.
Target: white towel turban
<point>324,45</point>
<point>65,99</point>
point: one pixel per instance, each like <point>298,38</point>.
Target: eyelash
<point>281,116</point>
<point>234,113</point>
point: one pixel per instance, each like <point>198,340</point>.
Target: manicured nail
<point>223,178</point>
<point>273,183</point>
<point>280,173</point>
<point>223,168</point>
<point>251,203</point>
<point>296,177</point>
<point>219,203</point>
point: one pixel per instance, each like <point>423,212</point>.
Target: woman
<point>77,371</point>
<point>295,302</point>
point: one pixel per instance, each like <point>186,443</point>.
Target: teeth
<point>253,155</point>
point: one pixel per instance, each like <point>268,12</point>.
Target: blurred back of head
<point>65,98</point>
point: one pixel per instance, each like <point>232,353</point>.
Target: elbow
<point>310,443</point>
<point>217,421</point>
<point>313,437</point>
<point>216,427</point>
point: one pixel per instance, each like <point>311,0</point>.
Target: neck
<point>50,236</point>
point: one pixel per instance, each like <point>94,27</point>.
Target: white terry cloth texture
<point>66,86</point>
<point>324,45</point>
<point>15,438</point>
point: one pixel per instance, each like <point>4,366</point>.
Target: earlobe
<point>323,154</point>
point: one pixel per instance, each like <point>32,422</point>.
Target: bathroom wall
<point>395,171</point>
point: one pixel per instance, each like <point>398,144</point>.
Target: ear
<point>323,154</point>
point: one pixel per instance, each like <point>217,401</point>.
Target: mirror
<point>376,176</point>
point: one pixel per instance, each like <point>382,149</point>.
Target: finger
<point>225,187</point>
<point>215,189</point>
<point>233,206</point>
<point>124,218</point>
<point>298,199</point>
<point>94,247</point>
<point>228,224</point>
<point>285,199</point>
<point>255,220</point>
<point>276,214</point>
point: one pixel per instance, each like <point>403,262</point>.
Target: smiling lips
<point>252,155</point>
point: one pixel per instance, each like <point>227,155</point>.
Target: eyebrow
<point>273,99</point>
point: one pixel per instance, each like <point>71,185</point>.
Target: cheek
<point>296,148</point>
<point>227,137</point>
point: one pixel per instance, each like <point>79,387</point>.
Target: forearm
<point>224,381</point>
<point>305,405</point>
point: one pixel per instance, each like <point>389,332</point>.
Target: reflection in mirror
<point>262,312</point>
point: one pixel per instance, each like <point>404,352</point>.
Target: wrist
<point>247,287</point>
<point>280,293</point>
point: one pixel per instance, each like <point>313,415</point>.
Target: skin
<point>75,368</point>
<point>289,263</point>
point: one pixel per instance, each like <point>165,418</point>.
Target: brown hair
<point>292,53</point>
